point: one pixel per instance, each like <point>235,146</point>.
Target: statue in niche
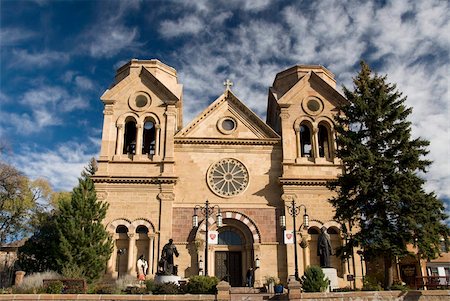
<point>324,248</point>
<point>166,266</point>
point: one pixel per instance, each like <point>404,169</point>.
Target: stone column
<point>257,273</point>
<point>315,142</point>
<point>223,291</point>
<point>297,142</point>
<point>119,148</point>
<point>112,259</point>
<point>171,115</point>
<point>288,136</point>
<point>157,154</point>
<point>290,257</point>
<point>131,258</point>
<point>109,133</point>
<point>165,219</point>
<point>139,136</point>
<point>151,240</point>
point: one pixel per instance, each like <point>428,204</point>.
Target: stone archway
<point>238,242</point>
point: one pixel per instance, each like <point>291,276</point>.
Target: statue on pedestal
<point>166,266</point>
<point>324,248</point>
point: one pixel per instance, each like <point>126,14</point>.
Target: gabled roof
<point>236,108</point>
<point>158,77</point>
<point>312,78</point>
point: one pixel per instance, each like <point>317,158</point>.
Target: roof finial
<point>227,84</point>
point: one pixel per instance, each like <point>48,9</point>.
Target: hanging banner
<point>213,237</point>
<point>288,236</point>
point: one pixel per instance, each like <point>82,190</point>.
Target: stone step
<point>244,290</point>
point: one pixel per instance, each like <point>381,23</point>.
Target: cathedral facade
<point>244,182</point>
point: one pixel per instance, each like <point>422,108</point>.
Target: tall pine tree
<point>380,194</point>
<point>84,242</point>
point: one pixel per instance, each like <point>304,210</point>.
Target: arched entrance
<point>234,254</point>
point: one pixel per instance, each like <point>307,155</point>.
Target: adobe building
<point>153,171</point>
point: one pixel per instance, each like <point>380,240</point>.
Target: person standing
<point>249,277</point>
<point>142,267</point>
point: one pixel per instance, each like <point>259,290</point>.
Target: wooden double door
<point>228,267</point>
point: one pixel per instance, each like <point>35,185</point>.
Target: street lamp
<point>206,210</point>
<point>120,252</point>
<point>294,210</point>
<point>361,253</point>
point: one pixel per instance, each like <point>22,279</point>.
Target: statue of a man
<point>324,248</point>
<point>167,257</point>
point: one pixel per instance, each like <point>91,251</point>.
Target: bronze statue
<point>166,266</point>
<point>324,248</point>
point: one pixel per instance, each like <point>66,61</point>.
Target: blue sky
<point>58,57</point>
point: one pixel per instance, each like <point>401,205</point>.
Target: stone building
<point>153,171</point>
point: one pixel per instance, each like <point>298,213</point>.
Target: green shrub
<point>136,290</point>
<point>104,289</point>
<point>150,285</point>
<point>371,284</point>
<point>202,285</point>
<point>169,288</point>
<point>54,287</point>
<point>314,280</point>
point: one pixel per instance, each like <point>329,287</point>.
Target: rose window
<point>227,177</point>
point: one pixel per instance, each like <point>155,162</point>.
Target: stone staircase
<point>252,294</point>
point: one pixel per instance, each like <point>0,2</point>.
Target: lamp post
<point>206,210</point>
<point>294,210</point>
<point>120,252</point>
<point>361,254</point>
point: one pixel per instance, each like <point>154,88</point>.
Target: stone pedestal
<point>331,274</point>
<point>167,279</point>
<point>223,291</point>
<point>19,277</point>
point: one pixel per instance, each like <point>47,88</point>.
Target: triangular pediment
<point>310,81</point>
<point>169,93</point>
<point>216,123</point>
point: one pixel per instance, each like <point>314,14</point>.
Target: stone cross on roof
<point>228,84</point>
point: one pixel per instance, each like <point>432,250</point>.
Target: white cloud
<point>84,83</point>
<point>182,26</point>
<point>26,60</point>
<point>12,35</point>
<point>110,35</point>
<point>61,167</point>
<point>411,39</point>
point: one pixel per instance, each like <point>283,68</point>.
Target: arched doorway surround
<point>237,248</point>
<point>131,239</point>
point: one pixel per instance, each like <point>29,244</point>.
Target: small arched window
<point>229,237</point>
<point>142,229</point>
<point>129,139</point>
<point>121,229</point>
<point>324,142</point>
<point>332,230</point>
<point>313,230</point>
<point>149,138</point>
<point>305,140</point>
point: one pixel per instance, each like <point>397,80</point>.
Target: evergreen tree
<point>380,191</point>
<point>84,242</point>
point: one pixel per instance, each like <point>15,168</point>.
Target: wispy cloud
<point>10,36</point>
<point>26,60</point>
<point>110,35</point>
<point>183,26</point>
<point>61,166</point>
<point>414,55</point>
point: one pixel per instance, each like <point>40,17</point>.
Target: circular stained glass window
<point>313,105</point>
<point>227,177</point>
<point>141,101</point>
<point>228,124</point>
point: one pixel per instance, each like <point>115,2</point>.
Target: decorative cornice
<point>135,180</point>
<point>303,182</point>
<point>232,141</point>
